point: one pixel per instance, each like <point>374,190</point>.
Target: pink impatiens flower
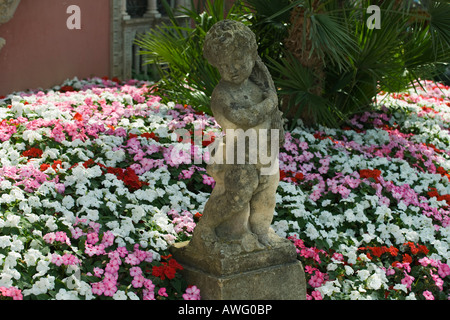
<point>135,271</point>
<point>208,180</point>
<point>192,293</point>
<point>162,292</point>
<point>407,280</point>
<point>316,280</point>
<point>443,269</point>
<point>428,295</point>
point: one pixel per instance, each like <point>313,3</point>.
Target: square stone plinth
<point>273,274</point>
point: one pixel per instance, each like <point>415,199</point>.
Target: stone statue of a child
<point>240,209</point>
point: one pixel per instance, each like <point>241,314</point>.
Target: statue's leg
<point>212,216</point>
<point>262,208</point>
<point>240,182</point>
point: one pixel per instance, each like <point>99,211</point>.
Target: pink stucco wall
<point>42,52</point>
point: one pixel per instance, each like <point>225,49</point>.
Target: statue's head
<point>231,47</point>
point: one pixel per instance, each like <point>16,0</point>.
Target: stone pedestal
<point>269,274</point>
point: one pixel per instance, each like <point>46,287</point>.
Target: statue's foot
<point>250,243</point>
<point>269,239</point>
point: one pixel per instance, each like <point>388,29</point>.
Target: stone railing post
<point>152,9</point>
<point>7,10</point>
<point>124,13</point>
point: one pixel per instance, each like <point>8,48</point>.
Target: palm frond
<point>296,84</point>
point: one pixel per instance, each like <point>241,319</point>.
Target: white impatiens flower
<point>12,220</point>
<point>137,213</point>
<point>311,231</point>
<point>41,286</point>
<point>132,295</point>
<point>5,241</point>
<point>31,135</point>
<point>329,288</point>
<point>31,256</point>
<point>68,202</point>
<point>6,280</point>
<point>348,270</point>
<point>5,184</point>
<point>349,215</point>
<point>281,228</point>
<point>11,260</point>
<point>375,281</point>
<point>16,244</point>
<point>363,274</point>
<point>120,295</point>
<point>63,294</point>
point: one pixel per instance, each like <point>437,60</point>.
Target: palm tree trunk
<point>300,45</point>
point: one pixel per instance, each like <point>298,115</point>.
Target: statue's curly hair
<point>226,36</point>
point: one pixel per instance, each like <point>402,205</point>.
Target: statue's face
<point>236,69</point>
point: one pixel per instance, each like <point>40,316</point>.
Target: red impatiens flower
<point>88,163</point>
<point>417,249</point>
<point>44,167</point>
<point>132,135</point>
<point>379,251</point>
<point>118,172</point>
<point>78,117</point>
<point>299,176</point>
<point>423,249</point>
<point>368,173</point>
<point>128,176</point>
<point>54,166</point>
<point>282,174</point>
<point>56,163</point>
<point>443,172</point>
<point>433,193</point>
<point>393,251</point>
<point>33,153</point>
<point>198,215</point>
<point>168,270</point>
<point>66,89</point>
<point>407,258</point>
<point>131,180</point>
<point>292,176</point>
<point>150,135</point>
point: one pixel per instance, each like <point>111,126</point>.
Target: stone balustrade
<point>126,26</point>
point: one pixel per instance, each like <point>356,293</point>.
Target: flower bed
<point>94,192</point>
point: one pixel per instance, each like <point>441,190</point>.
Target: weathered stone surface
<point>228,262</point>
<point>7,9</point>
<point>270,274</point>
<point>280,282</point>
<point>234,253</point>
